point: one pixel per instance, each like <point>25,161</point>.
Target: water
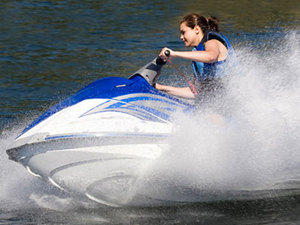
<point>50,49</point>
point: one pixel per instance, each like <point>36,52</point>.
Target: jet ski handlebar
<point>167,53</point>
<point>150,72</point>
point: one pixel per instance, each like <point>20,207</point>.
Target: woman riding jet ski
<point>209,57</point>
<point>98,142</point>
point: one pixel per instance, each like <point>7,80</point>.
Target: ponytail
<point>205,24</point>
<point>213,23</point>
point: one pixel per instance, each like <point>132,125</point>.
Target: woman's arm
<point>184,92</point>
<point>210,54</point>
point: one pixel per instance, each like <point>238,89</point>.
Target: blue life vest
<point>215,69</point>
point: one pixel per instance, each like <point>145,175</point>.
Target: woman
<point>211,50</point>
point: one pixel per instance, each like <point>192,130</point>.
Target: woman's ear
<point>197,29</point>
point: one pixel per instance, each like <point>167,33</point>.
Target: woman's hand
<point>183,92</point>
<point>158,86</point>
<point>163,56</point>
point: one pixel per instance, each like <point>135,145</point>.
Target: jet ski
<point>100,143</point>
<point>96,143</point>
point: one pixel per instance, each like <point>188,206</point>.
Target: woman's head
<point>193,27</point>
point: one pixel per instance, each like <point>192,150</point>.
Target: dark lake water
<point>51,49</point>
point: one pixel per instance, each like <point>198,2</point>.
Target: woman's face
<point>190,36</point>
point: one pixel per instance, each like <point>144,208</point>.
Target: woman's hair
<point>193,19</point>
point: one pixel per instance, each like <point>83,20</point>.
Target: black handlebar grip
<point>167,53</point>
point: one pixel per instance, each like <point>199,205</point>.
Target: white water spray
<point>258,146</point>
<point>19,189</point>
